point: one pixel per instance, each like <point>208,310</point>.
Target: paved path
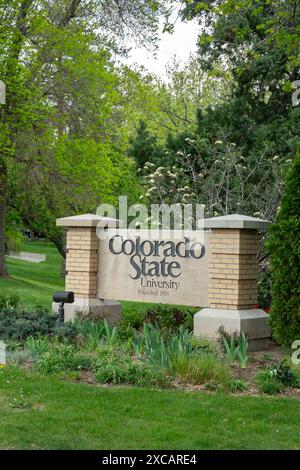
<point>26,256</point>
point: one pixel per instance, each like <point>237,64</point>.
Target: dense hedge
<point>284,248</point>
<point>17,324</point>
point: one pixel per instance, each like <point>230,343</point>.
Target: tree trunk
<point>3,196</point>
<point>60,243</point>
<point>63,268</point>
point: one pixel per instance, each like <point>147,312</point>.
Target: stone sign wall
<point>216,271</point>
<point>167,268</point>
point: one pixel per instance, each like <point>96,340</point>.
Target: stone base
<point>253,323</point>
<point>93,308</point>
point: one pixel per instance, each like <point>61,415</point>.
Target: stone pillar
<point>232,281</point>
<point>82,269</point>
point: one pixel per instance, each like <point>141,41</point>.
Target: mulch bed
<point>258,360</point>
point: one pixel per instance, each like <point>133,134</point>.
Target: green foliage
<point>65,128</point>
<point>37,346</point>
<point>264,288</point>
<point>125,334</point>
<point>201,368</point>
<point>233,157</point>
<point>18,324</point>
<point>144,147</point>
<point>230,348</point>
<point>237,385</point>
<point>284,248</point>
<point>95,333</point>
<point>64,357</point>
<point>116,367</point>
<point>9,302</point>
<point>242,351</point>
<point>137,418</point>
<point>236,347</point>
<point>14,240</point>
<point>133,315</point>
<point>13,233</point>
<point>160,351</point>
<point>170,318</point>
<point>285,374</point>
<point>266,383</point>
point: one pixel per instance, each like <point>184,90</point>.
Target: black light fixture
<point>63,297</point>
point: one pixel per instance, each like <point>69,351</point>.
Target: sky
<point>182,44</point>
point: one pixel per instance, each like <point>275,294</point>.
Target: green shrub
<point>91,331</point>
<point>230,349</point>
<point>13,234</point>
<point>266,383</point>
<point>204,345</point>
<point>171,317</point>
<point>18,324</point>
<point>14,239</point>
<point>229,337</point>
<point>236,349</point>
<point>37,346</point>
<point>125,334</point>
<point>9,303</point>
<point>65,331</point>
<point>242,351</point>
<point>95,333</point>
<point>159,350</point>
<point>284,248</point>
<point>285,374</point>
<point>132,316</point>
<point>115,367</point>
<point>237,385</point>
<point>264,287</point>
<point>64,357</point>
<point>202,368</point>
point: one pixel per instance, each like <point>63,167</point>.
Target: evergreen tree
<point>284,247</point>
<point>143,146</point>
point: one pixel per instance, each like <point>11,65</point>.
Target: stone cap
<point>236,221</point>
<point>87,220</point>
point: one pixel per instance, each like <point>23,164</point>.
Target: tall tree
<point>284,246</point>
<point>46,78</point>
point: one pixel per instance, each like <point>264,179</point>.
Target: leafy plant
<point>132,316</point>
<point>64,357</point>
<point>266,383</point>
<point>282,372</point>
<point>237,351</point>
<point>116,367</point>
<point>95,333</point>
<point>202,368</point>
<point>242,351</point>
<point>170,317</point>
<point>38,345</point>
<point>109,334</point>
<point>161,351</point>
<point>237,385</point>
<point>18,324</point>
<point>230,348</point>
<point>9,303</point>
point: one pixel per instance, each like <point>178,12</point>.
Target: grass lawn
<point>42,412</point>
<point>34,282</point>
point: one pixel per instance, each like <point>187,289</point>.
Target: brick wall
<point>82,261</point>
<point>233,269</point>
